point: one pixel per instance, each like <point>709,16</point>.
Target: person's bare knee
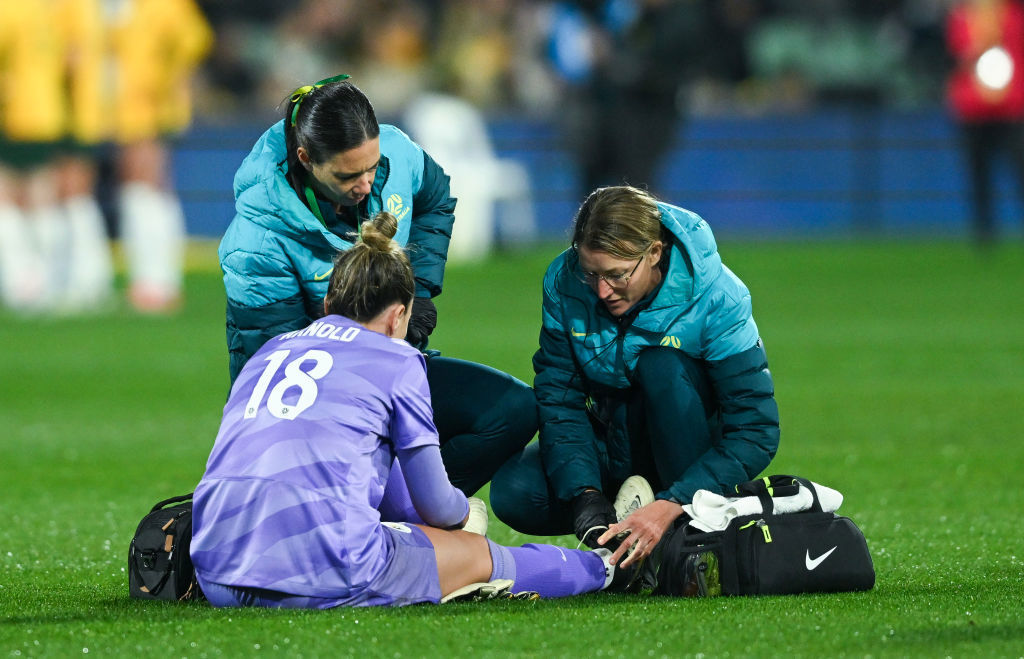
<point>143,162</point>
<point>462,558</point>
<point>76,178</point>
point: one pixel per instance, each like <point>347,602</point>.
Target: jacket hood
<point>694,262</point>
<point>694,266</point>
<point>264,196</point>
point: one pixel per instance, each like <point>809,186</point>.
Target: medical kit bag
<point>767,553</point>
<point>159,565</point>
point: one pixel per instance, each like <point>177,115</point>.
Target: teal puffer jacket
<point>276,256</point>
<point>701,308</point>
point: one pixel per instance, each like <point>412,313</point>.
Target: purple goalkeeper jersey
<point>291,490</point>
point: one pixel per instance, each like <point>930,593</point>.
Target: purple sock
<point>503,565</point>
<point>551,571</point>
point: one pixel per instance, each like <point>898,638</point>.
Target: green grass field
<point>899,371</point>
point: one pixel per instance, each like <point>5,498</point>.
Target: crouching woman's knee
<point>520,406</point>
<point>661,368</point>
<point>520,496</point>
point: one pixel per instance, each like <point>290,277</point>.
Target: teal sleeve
<point>568,443</point>
<point>264,299</point>
<point>431,230</point>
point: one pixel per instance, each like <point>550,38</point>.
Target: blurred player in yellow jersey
<point>89,284</point>
<point>75,74</point>
<point>32,122</point>
<point>154,47</point>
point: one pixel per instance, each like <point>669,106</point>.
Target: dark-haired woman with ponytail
<point>300,195</point>
<point>327,427</point>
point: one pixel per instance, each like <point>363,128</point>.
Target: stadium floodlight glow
<point>994,68</point>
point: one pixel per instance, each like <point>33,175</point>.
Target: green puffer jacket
<point>587,357</point>
<point>276,255</point>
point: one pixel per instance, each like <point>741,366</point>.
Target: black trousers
<point>983,143</point>
<point>483,417</point>
<point>670,419</point>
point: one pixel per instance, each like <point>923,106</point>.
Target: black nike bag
<point>768,554</point>
<point>159,565</point>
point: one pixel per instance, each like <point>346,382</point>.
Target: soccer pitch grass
<point>899,371</point>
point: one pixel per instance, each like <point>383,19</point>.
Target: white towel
<point>713,512</point>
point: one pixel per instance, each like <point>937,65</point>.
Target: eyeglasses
<point>615,281</point>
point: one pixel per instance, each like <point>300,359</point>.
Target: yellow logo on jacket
<point>671,341</point>
<point>396,207</point>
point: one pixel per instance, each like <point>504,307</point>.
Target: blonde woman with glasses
<point>650,364</point>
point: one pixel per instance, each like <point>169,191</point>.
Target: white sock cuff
<point>609,569</point>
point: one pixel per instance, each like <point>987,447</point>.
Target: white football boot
<point>634,494</point>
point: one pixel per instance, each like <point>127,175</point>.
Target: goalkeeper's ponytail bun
<point>371,275</point>
<point>377,233</point>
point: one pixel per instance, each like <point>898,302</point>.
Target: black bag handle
<point>815,504</point>
<point>779,485</point>
<point>167,502</point>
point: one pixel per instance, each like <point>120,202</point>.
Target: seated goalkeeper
<point>329,430</point>
<point>650,363</point>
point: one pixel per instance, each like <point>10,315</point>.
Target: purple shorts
<point>409,577</point>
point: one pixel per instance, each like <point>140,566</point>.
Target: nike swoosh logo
<point>812,563</point>
<point>577,334</point>
<point>322,277</point>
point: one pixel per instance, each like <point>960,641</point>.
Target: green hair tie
<point>299,94</point>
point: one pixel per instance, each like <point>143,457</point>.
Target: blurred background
<point>770,118</point>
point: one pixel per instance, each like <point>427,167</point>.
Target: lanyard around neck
<point>314,205</point>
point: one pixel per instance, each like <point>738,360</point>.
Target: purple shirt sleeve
<point>412,420</point>
<point>396,504</point>
<point>416,444</point>
<point>436,500</point>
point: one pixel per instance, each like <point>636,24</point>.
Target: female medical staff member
<point>650,363</point>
